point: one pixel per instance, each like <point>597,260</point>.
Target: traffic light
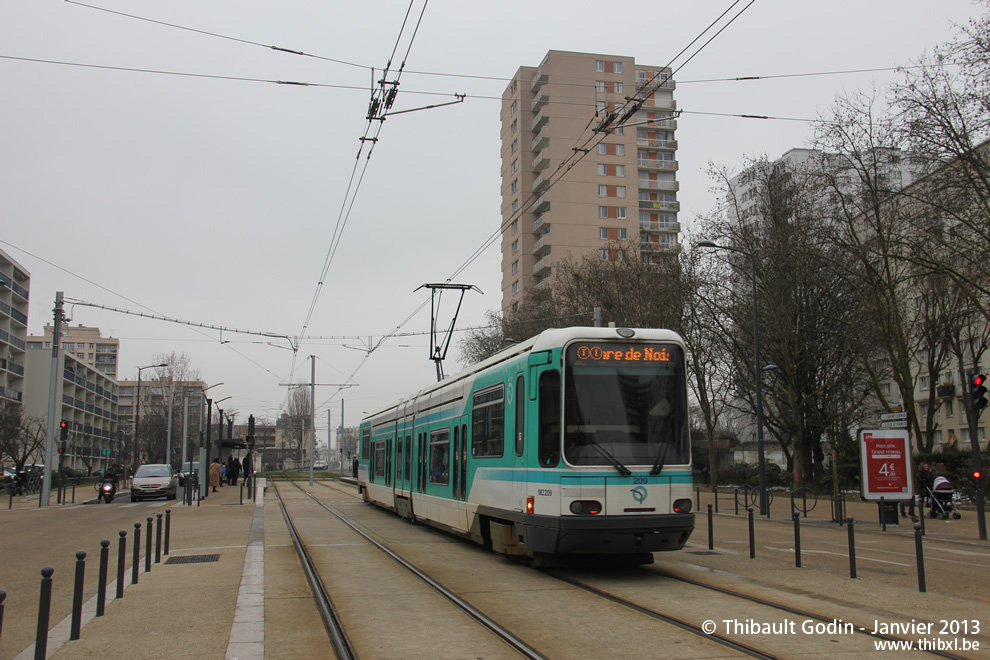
<point>977,392</point>
<point>976,475</point>
<point>63,431</point>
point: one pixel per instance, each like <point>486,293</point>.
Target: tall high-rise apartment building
<point>86,344</point>
<point>624,189</point>
<point>14,285</point>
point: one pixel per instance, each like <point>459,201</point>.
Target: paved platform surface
<point>244,596</point>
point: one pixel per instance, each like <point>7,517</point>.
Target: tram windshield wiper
<point>659,461</point>
<point>623,470</point>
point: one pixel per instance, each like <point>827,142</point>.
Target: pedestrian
<point>354,467</point>
<point>223,472</point>
<point>215,473</point>
<point>248,467</point>
<point>234,470</point>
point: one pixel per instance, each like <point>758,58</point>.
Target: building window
<point>603,233</point>
<point>600,86</point>
<point>600,106</point>
<point>617,88</point>
<point>603,191</point>
<point>603,254</point>
<point>515,246</point>
<point>620,255</point>
<point>620,170</point>
<point>515,287</point>
<point>515,205</point>
<point>515,266</point>
<point>602,211</point>
<point>620,191</point>
<point>515,186</point>
<point>514,167</point>
<point>620,150</point>
<point>602,169</point>
<point>513,107</point>
<point>620,213</point>
<point>602,149</point>
<point>600,65</point>
<point>515,126</point>
<point>515,86</point>
<point>514,147</point>
<point>515,225</point>
<point>620,130</point>
<point>616,67</point>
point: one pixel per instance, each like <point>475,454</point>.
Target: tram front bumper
<point>606,534</point>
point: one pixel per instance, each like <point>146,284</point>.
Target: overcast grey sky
<point>215,200</point>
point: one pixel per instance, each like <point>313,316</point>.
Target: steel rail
<point>338,636</point>
<point>493,626</point>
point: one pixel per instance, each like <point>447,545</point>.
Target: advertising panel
<point>885,464</point>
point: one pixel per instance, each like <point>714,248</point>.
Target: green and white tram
<point>574,442</point>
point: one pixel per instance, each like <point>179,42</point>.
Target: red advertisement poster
<point>885,464</point>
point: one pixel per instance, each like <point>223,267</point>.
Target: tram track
<point>734,596</point>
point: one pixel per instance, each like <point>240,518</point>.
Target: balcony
<point>541,140</point>
<point>541,162</point>
<point>539,101</point>
<point>656,144</point>
<point>645,225</point>
<point>541,268</point>
<point>651,247</point>
<point>664,205</point>
<point>541,181</point>
<point>542,224</point>
<point>539,80</point>
<point>541,205</point>
<point>542,246</point>
<point>539,121</point>
<point>654,164</point>
<point>659,185</point>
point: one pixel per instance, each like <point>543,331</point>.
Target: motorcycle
<point>107,490</point>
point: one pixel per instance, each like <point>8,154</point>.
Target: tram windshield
<point>625,404</point>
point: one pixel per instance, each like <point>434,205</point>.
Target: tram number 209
<point>544,492</point>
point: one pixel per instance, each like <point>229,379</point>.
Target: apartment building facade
<point>15,284</point>
<point>571,190</point>
<point>85,398</point>
<point>86,344</point>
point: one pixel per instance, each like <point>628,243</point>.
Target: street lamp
<point>220,426</point>
<point>137,412</point>
<point>757,373</point>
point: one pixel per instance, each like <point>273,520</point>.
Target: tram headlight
<point>682,506</point>
<point>585,507</point>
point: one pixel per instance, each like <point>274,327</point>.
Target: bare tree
<point>21,438</point>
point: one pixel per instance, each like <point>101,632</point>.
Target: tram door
<point>455,468</point>
<point>517,422</point>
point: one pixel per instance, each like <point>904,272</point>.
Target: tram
<point>574,442</point>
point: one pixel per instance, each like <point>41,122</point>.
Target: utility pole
<point>312,416</point>
<point>46,483</point>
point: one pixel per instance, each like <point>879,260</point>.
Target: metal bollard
<point>147,545</point>
<point>752,537</point>
<point>852,548</point>
<point>121,558</point>
<point>737,501</point>
<point>44,612</point>
<point>797,539</point>
<point>77,595</point>
<point>921,513</point>
<point>73,491</point>
<point>697,498</point>
<point>711,529</point>
<point>883,515</point>
<point>242,493</point>
<point>136,559</point>
<point>168,527</point>
<point>920,557</point>
<point>3,597</point>
<point>716,500</point>
<point>101,593</point>
<point>158,539</point>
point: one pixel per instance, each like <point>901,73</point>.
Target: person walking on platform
<point>233,470</point>
<point>248,466</point>
<point>215,473</point>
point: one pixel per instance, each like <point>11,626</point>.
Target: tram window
<point>408,458</point>
<point>520,414</point>
<point>440,457</point>
<point>380,458</point>
<point>488,422</point>
<point>549,440</point>
<point>366,444</point>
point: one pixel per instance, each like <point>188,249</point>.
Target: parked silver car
<point>154,480</point>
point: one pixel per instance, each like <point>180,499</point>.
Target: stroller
<point>940,496</point>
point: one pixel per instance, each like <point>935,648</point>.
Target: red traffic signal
<point>976,475</point>
<point>977,392</point>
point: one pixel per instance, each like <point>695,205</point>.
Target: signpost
<point>886,464</point>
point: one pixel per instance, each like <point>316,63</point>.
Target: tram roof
<point>545,341</point>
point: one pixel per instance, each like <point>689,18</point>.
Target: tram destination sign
<point>885,464</point>
<point>585,352</point>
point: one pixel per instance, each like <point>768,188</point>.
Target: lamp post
<point>220,427</point>
<point>137,412</point>
<point>757,374</point>
<point>204,450</point>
